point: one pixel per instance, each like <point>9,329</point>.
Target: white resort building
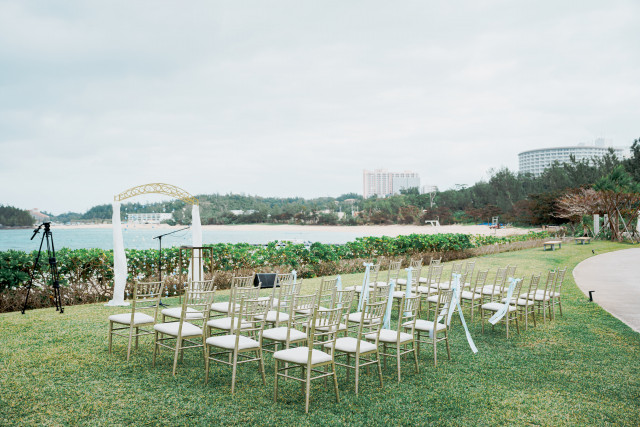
<point>536,161</point>
<point>382,183</point>
<point>148,218</point>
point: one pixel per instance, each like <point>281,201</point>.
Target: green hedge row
<point>95,266</point>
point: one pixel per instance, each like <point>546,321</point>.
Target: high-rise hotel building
<point>382,183</point>
<point>536,161</point>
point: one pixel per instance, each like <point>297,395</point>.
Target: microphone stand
<point>160,255</point>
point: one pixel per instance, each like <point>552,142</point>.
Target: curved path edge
<point>615,278</point>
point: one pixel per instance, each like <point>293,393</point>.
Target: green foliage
<point>14,217</point>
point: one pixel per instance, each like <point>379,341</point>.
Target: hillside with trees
<point>14,217</point>
<point>520,199</point>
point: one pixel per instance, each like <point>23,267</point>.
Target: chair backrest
<point>511,270</point>
<point>283,278</point>
<point>435,275</point>
<point>481,280</point>
<point>285,295</point>
<point>534,282</point>
<point>443,306</point>
<point>378,293</point>
<point>146,295</point>
<point>205,285</point>
<point>371,319</point>
<point>468,268</point>
<point>374,270</point>
<point>323,329</point>
<point>501,277</point>
<point>301,309</point>
<point>456,268</point>
<point>242,281</point>
<point>327,291</point>
<point>196,305</point>
<point>240,293</point>
<point>549,283</point>
<point>250,317</point>
<point>516,292</point>
<point>557,286</point>
<point>394,270</point>
<point>435,261</point>
<point>408,314</point>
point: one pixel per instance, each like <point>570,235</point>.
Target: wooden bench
<point>583,240</point>
<point>551,244</point>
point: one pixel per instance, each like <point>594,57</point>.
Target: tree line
<point>518,198</point>
<point>15,217</point>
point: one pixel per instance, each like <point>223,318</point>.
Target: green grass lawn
<point>581,369</point>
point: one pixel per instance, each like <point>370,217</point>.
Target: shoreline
<point>393,230</point>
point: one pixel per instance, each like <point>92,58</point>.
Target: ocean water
<point>144,238</point>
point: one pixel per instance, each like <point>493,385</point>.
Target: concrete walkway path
<point>615,278</point>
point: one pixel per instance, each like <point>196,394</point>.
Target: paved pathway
<point>615,278</point>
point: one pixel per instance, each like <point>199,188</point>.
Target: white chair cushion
<point>300,356</point>
<point>309,311</point>
<point>387,335</point>
<point>521,301</point>
<point>224,323</point>
<point>341,327</point>
<point>349,344</point>
<point>271,316</point>
<point>355,317</point>
<point>221,307</point>
<point>280,334</point>
<point>171,328</point>
<point>489,290</point>
<point>176,312</point>
<point>229,342</point>
<point>426,289</point>
<point>353,288</point>
<point>424,280</point>
<point>444,286</point>
<point>495,306</point>
<point>400,294</point>
<point>426,325</point>
<point>433,298</point>
<point>125,318</point>
<point>469,295</point>
<point>401,281</point>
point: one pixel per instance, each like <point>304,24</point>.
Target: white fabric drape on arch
<point>196,241</point>
<point>119,260</point>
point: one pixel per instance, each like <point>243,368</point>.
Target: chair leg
<point>482,318</point>
<point>155,348</point>
<point>129,345</point>
<point>261,366</point>
<point>398,360</point>
<point>110,335</point>
<point>233,372</point>
<point>507,322</point>
<point>357,372</point>
<point>446,337</point>
<point>385,351</point>
<point>335,381</point>
<point>176,354</point>
<point>137,336</point>
<point>206,362</point>
<point>380,367</point>
<point>560,306</point>
<point>517,326</point>
<point>275,383</point>
<point>435,349</point>
<point>415,355</point>
<point>307,390</point>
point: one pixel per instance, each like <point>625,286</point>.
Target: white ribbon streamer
<point>119,259</point>
<point>386,323</point>
<point>505,307</point>
<point>454,305</point>
<point>339,288</point>
<point>364,292</point>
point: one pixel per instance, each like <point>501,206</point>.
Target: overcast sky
<point>296,98</point>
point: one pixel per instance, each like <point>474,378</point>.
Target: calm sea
<point>143,238</point>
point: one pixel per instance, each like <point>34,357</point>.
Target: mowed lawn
<point>581,369</point>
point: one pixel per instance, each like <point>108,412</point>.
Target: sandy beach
<point>364,230</point>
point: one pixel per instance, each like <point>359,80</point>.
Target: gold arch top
<point>159,188</point>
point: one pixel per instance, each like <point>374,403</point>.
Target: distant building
<point>382,183</point>
<point>536,161</point>
<point>38,216</point>
<point>148,218</point>
<point>427,189</point>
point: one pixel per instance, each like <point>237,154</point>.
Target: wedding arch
<point>119,256</point>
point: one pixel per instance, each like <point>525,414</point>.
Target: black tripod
<point>160,255</point>
<point>53,266</point>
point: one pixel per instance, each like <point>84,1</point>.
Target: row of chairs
<point>318,331</point>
